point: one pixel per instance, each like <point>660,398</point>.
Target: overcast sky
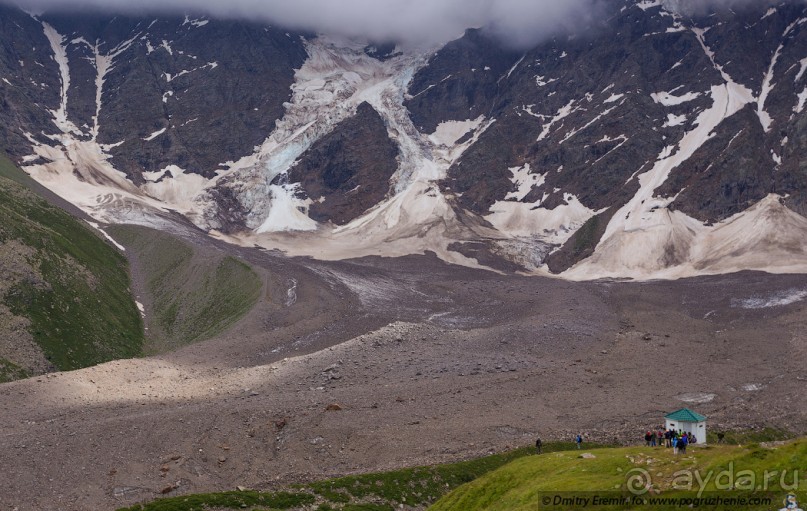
<point>521,22</point>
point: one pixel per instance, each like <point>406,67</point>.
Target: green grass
<point>523,483</point>
<point>420,485</point>
<point>81,310</point>
<point>9,371</point>
<point>751,436</point>
<point>414,487</point>
<point>195,295</point>
<point>10,171</point>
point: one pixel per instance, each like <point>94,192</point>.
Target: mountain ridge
<point>653,120</point>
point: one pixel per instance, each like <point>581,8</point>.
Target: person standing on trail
<point>660,437</point>
<point>647,438</point>
<point>578,440</point>
<point>538,446</point>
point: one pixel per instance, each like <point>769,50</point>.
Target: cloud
<point>518,22</point>
<point>521,22</point>
<point>697,7</point>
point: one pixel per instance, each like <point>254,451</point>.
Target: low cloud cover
<point>518,22</point>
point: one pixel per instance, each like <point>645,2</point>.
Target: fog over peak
<point>517,22</point>
<point>693,7</point>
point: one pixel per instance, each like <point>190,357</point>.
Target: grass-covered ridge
<point>9,371</point>
<point>72,286</point>
<point>524,483</point>
<point>194,293</point>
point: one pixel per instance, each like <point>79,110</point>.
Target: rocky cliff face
<point>624,150</point>
<point>191,93</point>
<point>29,82</point>
<point>348,171</point>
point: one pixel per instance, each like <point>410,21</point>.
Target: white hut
<point>687,421</point>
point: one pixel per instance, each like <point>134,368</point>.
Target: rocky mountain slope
<point>653,144</point>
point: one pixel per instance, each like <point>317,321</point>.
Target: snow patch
<point>564,112</point>
<point>554,226</point>
<point>447,133</point>
<point>778,299</point>
<point>696,397</point>
<point>802,68</point>
<point>524,182</point>
<point>510,72</point>
<point>541,82</point>
<point>107,236</point>
<point>195,23</point>
<point>622,140</point>
<point>167,46</point>
<point>768,85</point>
<point>596,119</point>
<point>155,134</point>
<point>802,97</point>
<point>649,4</point>
<point>171,77</point>
<point>176,187</point>
<point>668,99</point>
<point>57,44</point>
<point>674,120</point>
<point>287,212</point>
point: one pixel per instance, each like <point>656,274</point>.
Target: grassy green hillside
<point>539,482</point>
<point>194,293</point>
<point>65,295</point>
<point>520,480</point>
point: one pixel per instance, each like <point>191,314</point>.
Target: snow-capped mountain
<point>655,144</point>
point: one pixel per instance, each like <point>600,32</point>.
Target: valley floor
<point>367,365</point>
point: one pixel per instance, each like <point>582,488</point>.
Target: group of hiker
<point>678,440</point>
